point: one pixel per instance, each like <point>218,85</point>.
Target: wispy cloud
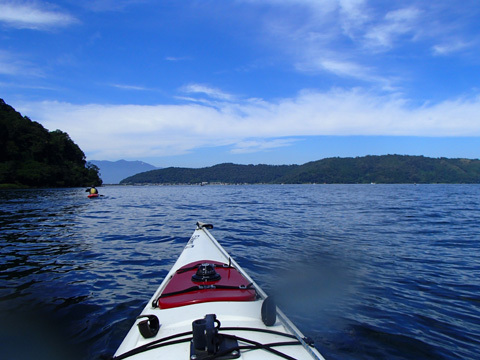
<point>15,65</point>
<point>206,90</point>
<point>176,58</point>
<point>353,14</point>
<point>10,85</point>
<point>451,47</point>
<point>394,24</point>
<point>329,37</point>
<point>259,145</point>
<point>340,67</point>
<point>30,15</point>
<point>355,38</point>
<point>130,87</point>
<point>7,67</point>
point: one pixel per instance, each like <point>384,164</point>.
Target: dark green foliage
<point>388,169</point>
<point>224,173</point>
<point>32,156</point>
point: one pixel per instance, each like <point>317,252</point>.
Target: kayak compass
<point>206,272</point>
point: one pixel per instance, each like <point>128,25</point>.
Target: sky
<point>195,83</point>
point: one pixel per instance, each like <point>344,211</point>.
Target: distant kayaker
<point>92,190</point>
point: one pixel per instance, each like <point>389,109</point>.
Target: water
<point>367,271</point>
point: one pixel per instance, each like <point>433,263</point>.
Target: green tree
<point>32,156</point>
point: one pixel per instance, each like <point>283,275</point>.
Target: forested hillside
<point>224,173</point>
<point>32,156</point>
<point>388,169</point>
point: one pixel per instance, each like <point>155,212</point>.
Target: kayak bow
<point>208,307</point>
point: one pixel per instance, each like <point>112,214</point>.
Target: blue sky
<point>196,83</point>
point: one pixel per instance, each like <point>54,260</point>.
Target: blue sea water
<point>367,271</point>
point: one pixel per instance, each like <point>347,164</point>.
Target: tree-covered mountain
<point>32,156</point>
<point>112,172</point>
<point>224,173</point>
<point>387,169</point>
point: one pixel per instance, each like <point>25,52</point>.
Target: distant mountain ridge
<point>388,169</point>
<point>112,172</point>
<point>224,173</point>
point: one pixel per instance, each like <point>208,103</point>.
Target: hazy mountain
<point>112,172</point>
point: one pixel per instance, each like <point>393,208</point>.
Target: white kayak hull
<point>238,317</point>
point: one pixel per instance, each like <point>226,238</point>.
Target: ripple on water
<point>369,272</point>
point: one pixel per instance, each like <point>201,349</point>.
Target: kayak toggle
<point>206,342</point>
<point>149,327</point>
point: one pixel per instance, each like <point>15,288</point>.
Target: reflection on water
<point>369,272</point>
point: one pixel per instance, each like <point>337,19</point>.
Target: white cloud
<point>353,16</point>
<point>330,37</point>
<point>14,64</point>
<point>134,131</point>
<point>206,90</point>
<point>349,38</point>
<point>344,68</point>
<point>394,24</point>
<point>356,38</point>
<point>7,67</point>
<point>256,145</point>
<point>177,58</point>
<point>130,87</point>
<point>10,85</point>
<point>450,47</point>
<point>28,15</point>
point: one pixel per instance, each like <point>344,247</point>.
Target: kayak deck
<point>239,320</point>
<point>182,290</point>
